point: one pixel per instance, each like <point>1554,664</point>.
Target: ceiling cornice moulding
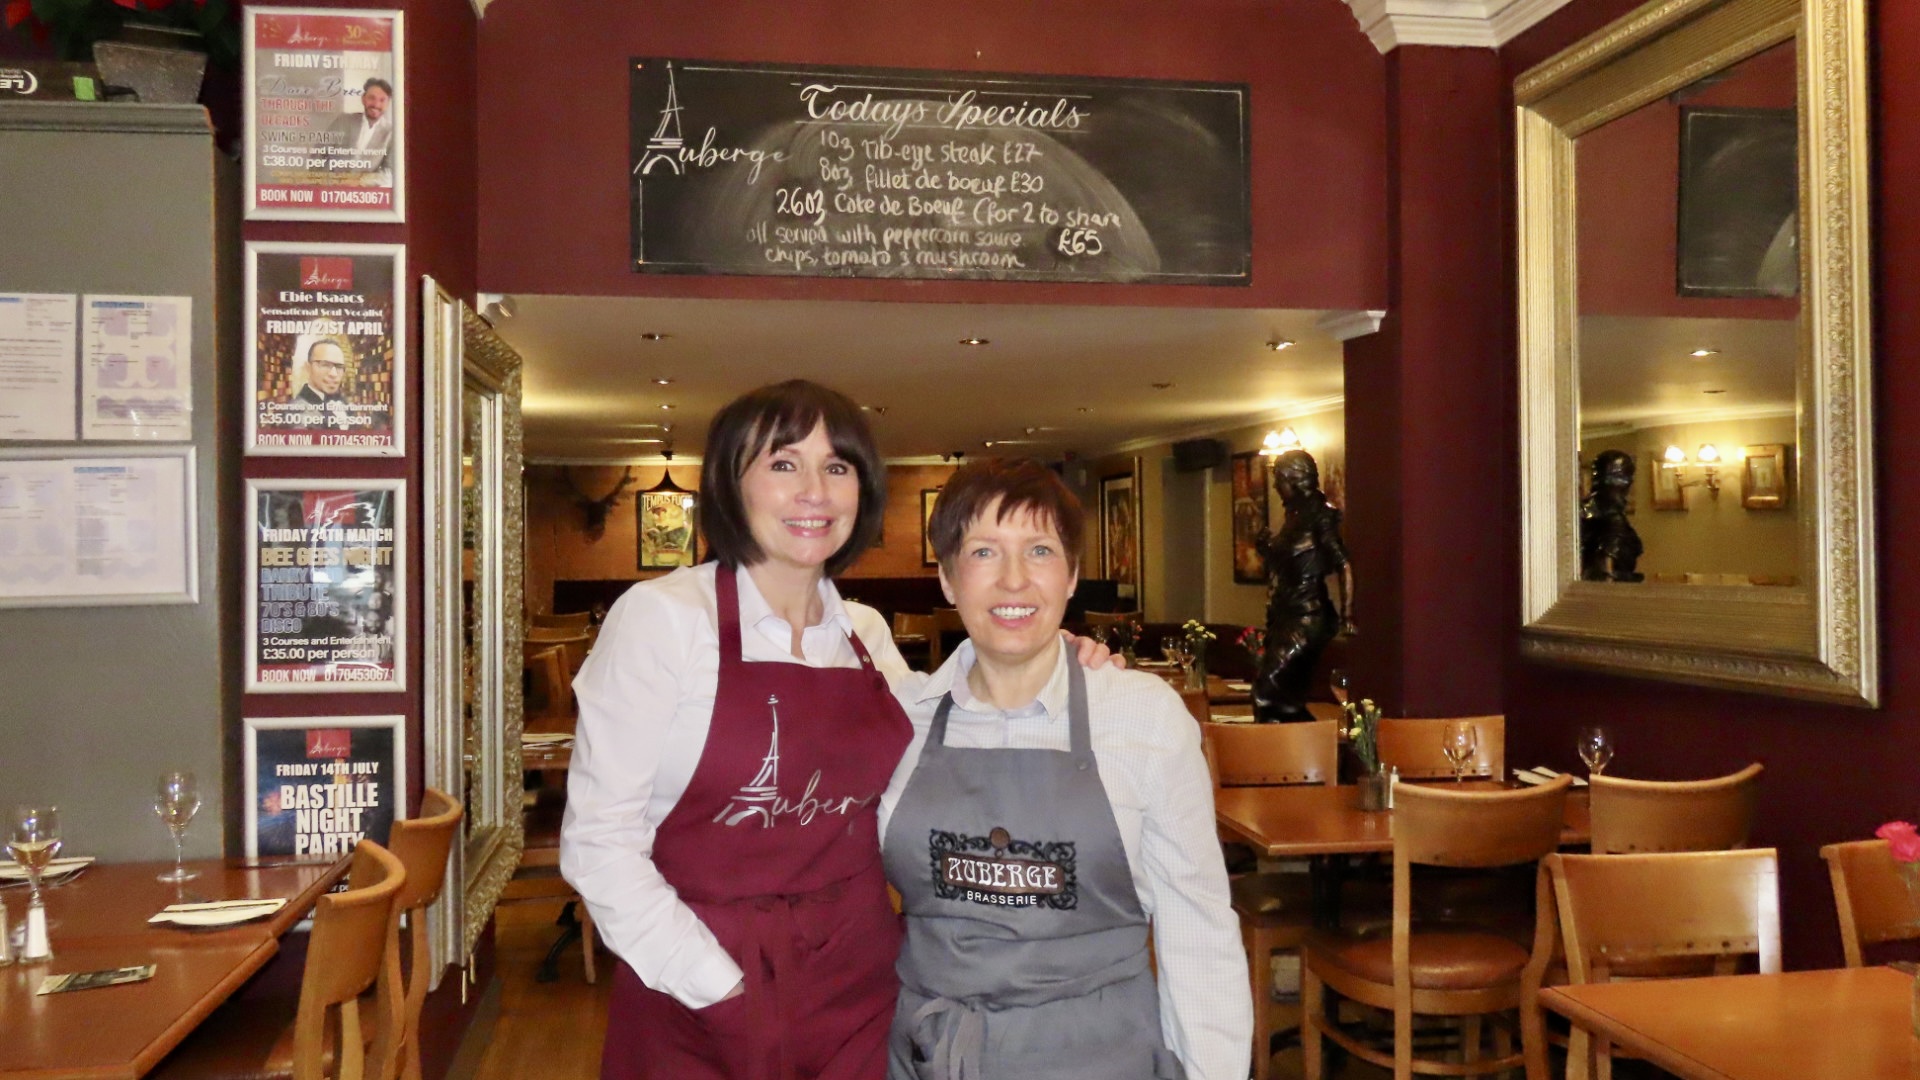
<point>1474,24</point>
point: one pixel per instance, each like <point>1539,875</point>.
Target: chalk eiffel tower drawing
<point>666,141</point>
<point>757,798</point>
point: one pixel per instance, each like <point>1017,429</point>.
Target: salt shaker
<point>6,939</point>
<point>38,947</point>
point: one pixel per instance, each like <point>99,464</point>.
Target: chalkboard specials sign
<point>875,172</point>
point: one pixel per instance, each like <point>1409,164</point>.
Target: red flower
<point>1903,841</point>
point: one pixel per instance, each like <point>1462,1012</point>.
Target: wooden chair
<point>1275,909</point>
<point>1872,899</point>
<point>1414,747</point>
<point>925,626</point>
<point>947,623</point>
<point>549,705</point>
<point>1099,622</point>
<point>575,644</point>
<point>1639,816</point>
<point>1451,970</point>
<point>421,844</point>
<point>574,622</point>
<point>1640,910</point>
<point>354,945</point>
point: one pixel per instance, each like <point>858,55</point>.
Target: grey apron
<point>1026,951</point>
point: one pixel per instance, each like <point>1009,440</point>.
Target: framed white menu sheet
<point>113,528</point>
<point>38,358</point>
<point>136,368</point>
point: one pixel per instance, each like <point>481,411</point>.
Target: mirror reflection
<point>1689,331</point>
<point>478,706</point>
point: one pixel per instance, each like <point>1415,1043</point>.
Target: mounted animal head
<point>597,510</point>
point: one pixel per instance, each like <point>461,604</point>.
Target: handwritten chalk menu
<point>874,172</point>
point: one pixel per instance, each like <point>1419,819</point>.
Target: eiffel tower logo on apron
<point>758,797</point>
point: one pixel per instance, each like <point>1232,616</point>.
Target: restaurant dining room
<point>974,540</point>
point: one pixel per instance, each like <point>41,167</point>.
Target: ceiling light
<point>988,444</point>
<point>663,382</point>
<point>666,407</point>
<point>974,341</point>
<point>1713,391</point>
<point>1163,386</point>
<point>1083,409</point>
<point>1701,354</point>
<point>653,336</point>
<point>1280,345</point>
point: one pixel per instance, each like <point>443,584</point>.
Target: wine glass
<point>33,837</point>
<point>1458,742</point>
<point>1596,748</point>
<point>1338,683</point>
<point>176,800</point>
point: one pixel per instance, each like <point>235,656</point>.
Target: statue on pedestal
<point>1301,616</point>
<point>1609,548</point>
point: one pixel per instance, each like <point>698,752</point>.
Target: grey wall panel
<point>96,701</point>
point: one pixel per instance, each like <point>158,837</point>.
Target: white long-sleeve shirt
<point>646,702</point>
<point>1148,750</point>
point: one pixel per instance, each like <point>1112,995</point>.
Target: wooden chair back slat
<point>1436,825</point>
<point>1623,909</point>
<point>1636,816</point>
<point>1413,746</point>
<point>1261,755</point>
<point>1871,896</point>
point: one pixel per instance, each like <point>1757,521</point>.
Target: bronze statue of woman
<point>1301,616</point>
<point>1609,548</point>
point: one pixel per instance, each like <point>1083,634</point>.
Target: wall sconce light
<point>1707,458</point>
<point>1279,442</point>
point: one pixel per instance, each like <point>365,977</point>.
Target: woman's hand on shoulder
<point>1092,652</point>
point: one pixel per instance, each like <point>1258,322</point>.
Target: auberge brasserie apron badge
<point>1000,871</point>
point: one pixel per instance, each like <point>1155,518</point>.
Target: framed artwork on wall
<point>928,498</point>
<point>317,785</point>
<point>326,585</point>
<point>1249,472</point>
<point>1120,536</point>
<point>1764,482</point>
<point>668,525</point>
<point>1663,483</point>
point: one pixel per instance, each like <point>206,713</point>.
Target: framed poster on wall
<point>1120,533</point>
<point>669,526</point>
<point>326,349</point>
<point>325,114</point>
<point>929,498</point>
<point>326,585</point>
<point>1249,474</point>
<point>317,785</point>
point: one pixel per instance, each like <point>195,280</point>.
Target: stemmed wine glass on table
<point>1596,748</point>
<point>33,838</point>
<point>1338,684</point>
<point>176,800</point>
<point>1458,741</point>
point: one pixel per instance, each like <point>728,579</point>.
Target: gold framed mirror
<point>1695,349</point>
<point>475,572</point>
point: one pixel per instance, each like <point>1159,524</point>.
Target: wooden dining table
<point>1843,1024</point>
<point>98,920</point>
<point>1319,819</point>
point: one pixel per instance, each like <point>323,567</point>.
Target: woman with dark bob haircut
<point>736,732</point>
<point>1046,820</point>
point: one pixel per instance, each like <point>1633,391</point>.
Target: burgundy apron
<point>775,846</point>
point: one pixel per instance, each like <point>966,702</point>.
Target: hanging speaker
<point>1193,455</point>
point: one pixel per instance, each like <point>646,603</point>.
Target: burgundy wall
<point>1424,488</point>
<point>553,129</point>
<point>1832,773</point>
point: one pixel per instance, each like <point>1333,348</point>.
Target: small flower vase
<point>1133,660</point>
<point>1376,790</point>
<point>1197,672</point>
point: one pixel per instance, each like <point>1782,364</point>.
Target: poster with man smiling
<point>325,347</point>
<point>325,126</point>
